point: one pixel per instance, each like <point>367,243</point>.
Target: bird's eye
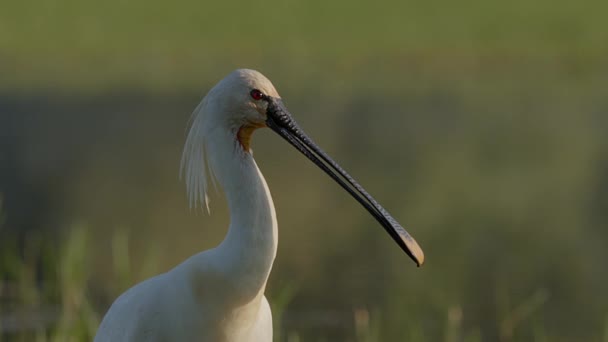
<point>256,94</point>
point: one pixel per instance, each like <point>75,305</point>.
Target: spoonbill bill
<point>218,295</point>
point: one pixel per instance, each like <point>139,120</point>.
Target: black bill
<point>281,121</point>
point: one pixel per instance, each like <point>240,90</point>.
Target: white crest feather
<point>195,162</point>
<point>223,98</point>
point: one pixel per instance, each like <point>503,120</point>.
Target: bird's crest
<point>195,162</point>
<point>228,97</point>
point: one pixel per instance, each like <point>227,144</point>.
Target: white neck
<point>248,251</point>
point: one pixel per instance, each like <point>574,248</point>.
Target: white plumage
<point>216,295</point>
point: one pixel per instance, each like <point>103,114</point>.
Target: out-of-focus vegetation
<point>480,126</point>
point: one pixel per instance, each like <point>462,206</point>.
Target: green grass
<point>80,45</point>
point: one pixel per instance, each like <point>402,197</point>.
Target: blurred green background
<point>480,125</point>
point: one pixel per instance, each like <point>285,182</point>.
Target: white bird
<point>218,295</point>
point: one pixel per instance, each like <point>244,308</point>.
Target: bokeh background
<point>480,125</point>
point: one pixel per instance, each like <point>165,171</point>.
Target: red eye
<point>256,94</point>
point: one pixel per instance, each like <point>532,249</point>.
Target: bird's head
<point>240,102</point>
<point>246,100</point>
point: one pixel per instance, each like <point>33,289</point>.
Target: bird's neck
<point>249,249</point>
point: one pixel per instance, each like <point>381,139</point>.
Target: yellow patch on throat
<point>244,135</point>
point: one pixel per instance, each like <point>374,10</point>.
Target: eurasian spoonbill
<point>218,295</point>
